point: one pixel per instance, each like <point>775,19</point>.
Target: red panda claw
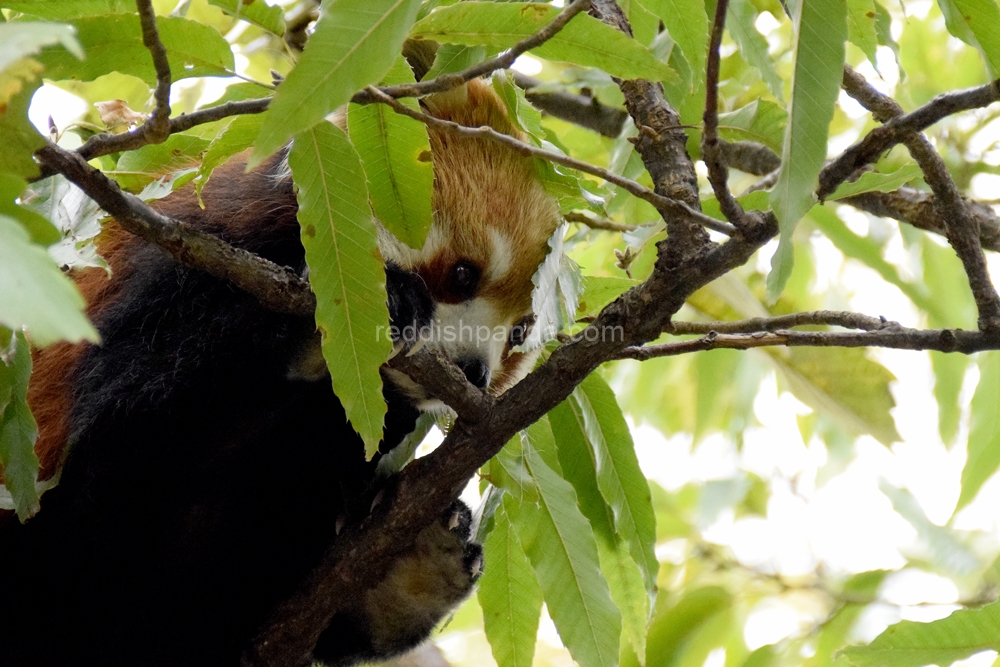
<point>419,345</point>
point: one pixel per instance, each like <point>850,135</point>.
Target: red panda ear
<point>474,104</point>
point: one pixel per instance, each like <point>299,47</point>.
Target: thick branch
<point>582,110</point>
<point>962,228</point>
<point>718,172</point>
<point>277,287</point>
<point>673,207</point>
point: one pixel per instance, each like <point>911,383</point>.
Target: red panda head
<point>492,222</point>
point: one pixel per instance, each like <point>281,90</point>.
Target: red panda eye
<point>463,280</point>
<point>519,332</point>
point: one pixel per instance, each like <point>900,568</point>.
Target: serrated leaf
<point>846,385</point>
<point>761,121</point>
<point>34,294</point>
<point>346,273</point>
<point>522,115</point>
<point>820,28</point>
<point>984,431</point>
<point>137,169</point>
<point>873,181</point>
<point>625,579</point>
<point>554,299</point>
<point>560,544</point>
<point>18,429</point>
<point>395,152</point>
<point>619,477</point>
<point>355,44</point>
<point>509,595</point>
<point>740,20</point>
<point>21,39</point>
<point>977,23</point>
<point>584,41</point>
<point>265,16</point>
<point>942,642</point>
<point>861,33</point>
<point>114,44</point>
<point>70,9</point>
<point>687,25</point>
<point>236,138</point>
<point>41,230</point>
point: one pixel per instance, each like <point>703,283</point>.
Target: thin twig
<point>279,288</point>
<point>962,229</point>
<point>941,340</point>
<point>663,204</point>
<point>598,223</point>
<point>446,82</point>
<point>718,172</point>
<point>156,129</point>
<point>848,320</point>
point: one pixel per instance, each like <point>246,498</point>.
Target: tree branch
<point>718,172</point>
<point>672,207</point>
<point>848,320</point>
<point>941,340</point>
<point>962,229</point>
<point>582,110</point>
<point>277,287</point>
<point>156,129</point>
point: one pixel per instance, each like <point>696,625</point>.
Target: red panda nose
<point>476,372</point>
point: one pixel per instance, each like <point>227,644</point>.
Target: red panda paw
<point>425,583</point>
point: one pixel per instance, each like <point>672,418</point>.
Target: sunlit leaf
<point>676,622</point>
<point>20,138</point>
<point>257,12</point>
<point>18,40</point>
<point>599,291</point>
<point>34,294</point>
<point>114,44</point>
<point>753,47</point>
<point>984,430</point>
<point>761,121</point>
<point>137,169</point>
<point>873,181</point>
<point>939,543</point>
<point>977,23</point>
<point>821,28</point>
<point>70,9</point>
<point>861,18</point>
<point>236,138</point>
<point>584,41</point>
<point>41,230</point>
<point>509,595</point>
<point>687,25</point>
<point>941,642</point>
<point>345,272</point>
<point>355,44</point>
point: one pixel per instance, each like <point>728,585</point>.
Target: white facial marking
<point>471,329</point>
<point>501,257</point>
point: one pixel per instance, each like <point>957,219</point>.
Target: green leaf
<point>258,12</point>
<point>941,642</point>
<point>41,230</point>
<point>940,544</point>
<point>687,25</point>
<point>455,58</point>
<point>34,294</point>
<point>560,544</point>
<point>754,201</point>
<point>873,181</point>
<point>761,121</point>
<point>821,28</point>
<point>740,20</point>
<point>675,624</point>
<point>236,138</point>
<point>137,169</point>
<point>21,39</point>
<point>625,579</point>
<point>508,471</point>
<point>833,636</point>
<point>355,44</point>
<point>599,291</point>
<point>18,429</point>
<point>114,44</point>
<point>861,17</point>
<point>619,477</point>
<point>70,9</point>
<point>846,385</point>
<point>346,273</point>
<point>509,595</point>
<point>977,23</point>
<point>984,431</point>
<point>949,373</point>
<point>396,154</point>
<point>20,138</point>
<point>584,41</point>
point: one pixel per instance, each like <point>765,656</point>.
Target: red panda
<point>202,472</point>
